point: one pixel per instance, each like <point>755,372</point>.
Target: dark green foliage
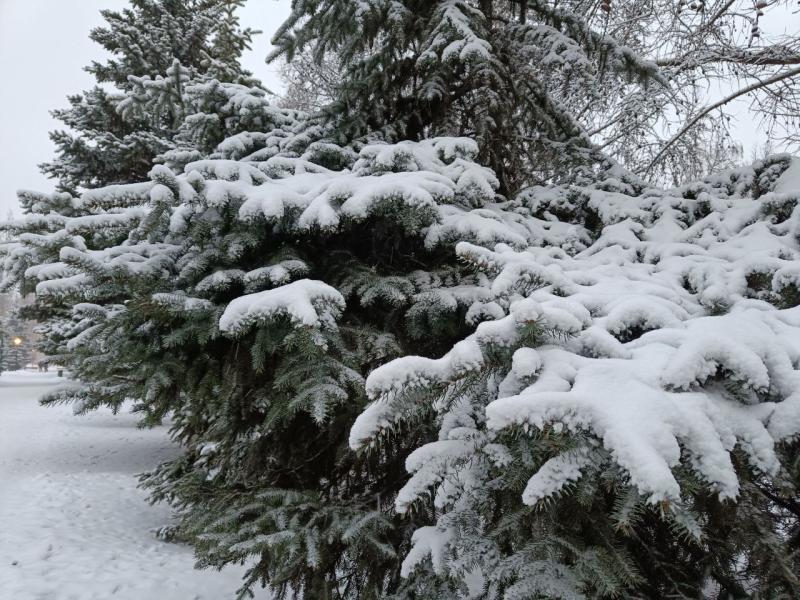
<point>615,544</point>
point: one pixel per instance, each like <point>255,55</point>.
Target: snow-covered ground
<point>73,525</point>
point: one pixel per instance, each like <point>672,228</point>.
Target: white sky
<point>44,46</point>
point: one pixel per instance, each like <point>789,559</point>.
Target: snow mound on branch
<point>305,303</point>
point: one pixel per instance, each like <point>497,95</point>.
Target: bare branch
<point>772,56</point>
<point>750,88</point>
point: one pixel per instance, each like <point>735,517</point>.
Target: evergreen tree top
<point>145,39</point>
<point>157,48</point>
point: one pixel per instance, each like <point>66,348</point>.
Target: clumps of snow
<point>639,423</point>
<point>63,286</point>
<point>555,474</point>
<point>641,313</point>
<point>115,196</point>
<point>435,182</point>
<point>406,372</point>
<point>181,304</point>
<point>220,280</point>
<point>428,465</point>
<point>427,542</point>
<point>747,344</point>
<point>403,374</point>
<point>306,303</point>
<point>276,274</point>
<point>671,338</point>
<point>431,188</point>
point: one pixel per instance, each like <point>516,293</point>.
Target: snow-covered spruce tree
<point>628,425</point>
<point>512,75</point>
<point>250,296</point>
<point>105,145</point>
<point>249,292</point>
<point>209,110</point>
<point>178,91</point>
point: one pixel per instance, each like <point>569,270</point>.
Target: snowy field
<point>73,525</point>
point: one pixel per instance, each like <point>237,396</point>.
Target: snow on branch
<point>672,339</point>
<point>306,303</point>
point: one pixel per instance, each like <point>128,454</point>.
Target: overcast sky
<point>44,46</point>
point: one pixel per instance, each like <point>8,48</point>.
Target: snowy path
<point>73,526</point>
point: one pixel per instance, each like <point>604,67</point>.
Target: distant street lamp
<point>17,341</point>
